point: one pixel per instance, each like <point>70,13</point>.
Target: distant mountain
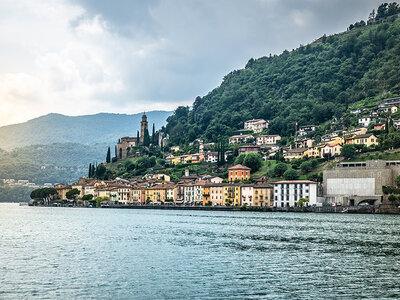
<point>88,129</point>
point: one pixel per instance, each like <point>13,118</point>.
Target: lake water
<point>78,253</point>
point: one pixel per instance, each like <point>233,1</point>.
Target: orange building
<point>239,172</point>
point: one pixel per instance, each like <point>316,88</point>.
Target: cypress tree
<point>116,152</point>
<point>146,138</point>
<point>108,157</point>
<point>90,170</point>
<point>137,137</point>
<point>153,136</point>
<point>387,126</point>
<point>93,170</point>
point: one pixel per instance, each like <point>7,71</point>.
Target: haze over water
<point>154,254</point>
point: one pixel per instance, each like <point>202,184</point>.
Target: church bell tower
<point>144,125</point>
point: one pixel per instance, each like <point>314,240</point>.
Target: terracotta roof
<point>239,167</point>
<point>361,136</point>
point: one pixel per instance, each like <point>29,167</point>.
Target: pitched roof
<point>239,167</point>
<point>361,136</point>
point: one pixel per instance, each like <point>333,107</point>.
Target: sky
<point>80,57</point>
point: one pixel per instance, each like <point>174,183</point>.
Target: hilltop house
<point>306,129</point>
<point>268,139</point>
<point>241,138</point>
<point>365,121</point>
<point>368,140</point>
<point>256,125</point>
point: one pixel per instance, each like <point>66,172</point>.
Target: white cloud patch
<point>84,56</point>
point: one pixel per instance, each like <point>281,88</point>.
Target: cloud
<point>88,56</point>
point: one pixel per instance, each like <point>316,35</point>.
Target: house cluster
<point>386,108</point>
<point>331,144</point>
<point>23,182</point>
<point>157,189</point>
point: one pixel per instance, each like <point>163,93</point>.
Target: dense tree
<point>280,169</point>
<point>100,171</point>
<point>87,197</point>
<point>240,159</point>
<point>290,174</point>
<point>153,136</point>
<point>108,157</point>
<point>43,193</point>
<point>348,151</point>
<point>253,161</point>
<point>72,194</point>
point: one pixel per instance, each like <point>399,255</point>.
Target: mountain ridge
<point>86,129</point>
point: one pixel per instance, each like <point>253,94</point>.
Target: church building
<point>126,143</point>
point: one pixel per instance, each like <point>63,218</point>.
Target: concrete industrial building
<point>353,183</point>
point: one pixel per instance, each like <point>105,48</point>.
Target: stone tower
<point>144,125</point>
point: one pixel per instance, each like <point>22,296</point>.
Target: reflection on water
<point>153,254</point>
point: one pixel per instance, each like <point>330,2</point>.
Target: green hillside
<point>54,163</point>
<point>310,85</point>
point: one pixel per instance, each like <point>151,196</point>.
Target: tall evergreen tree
<point>137,137</point>
<point>93,170</point>
<point>153,135</point>
<point>116,152</point>
<point>90,170</point>
<point>146,138</point>
<point>108,158</point>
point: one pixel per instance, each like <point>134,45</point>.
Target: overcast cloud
<point>87,56</point>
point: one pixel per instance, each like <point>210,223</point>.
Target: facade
<point>304,143</point>
<point>206,194</point>
<point>331,149</point>
<point>246,192</point>
<point>124,194</point>
<point>263,195</point>
<point>256,125</point>
<point>368,140</point>
<point>211,157</point>
<point>268,139</point>
<point>125,145</point>
<point>240,139</point>
<point>217,194</point>
<point>306,129</point>
<point>294,153</point>
<point>238,172</point>
<point>352,183</point>
<point>231,195</point>
<point>249,149</point>
<point>287,193</point>
<point>365,121</point>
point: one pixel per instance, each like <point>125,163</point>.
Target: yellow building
<point>368,140</point>
<point>295,153</point>
<point>155,193</point>
<point>263,195</point>
<point>206,194</point>
<point>231,195</point>
<point>314,152</point>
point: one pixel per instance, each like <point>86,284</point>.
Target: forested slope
<point>311,84</point>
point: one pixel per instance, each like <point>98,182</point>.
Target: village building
<point>268,139</point>
<point>368,140</point>
<point>216,194</point>
<point>294,153</point>
<point>240,139</point>
<point>288,192</point>
<point>256,125</point>
<point>263,195</point>
<point>246,192</point>
<point>231,193</point>
<point>249,149</point>
<point>365,121</point>
<point>125,144</point>
<point>305,129</point>
<point>238,172</point>
<point>62,190</point>
<point>303,143</point>
<point>211,157</point>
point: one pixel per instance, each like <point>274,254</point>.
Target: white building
<point>256,125</point>
<point>247,194</point>
<point>241,138</point>
<point>304,130</point>
<point>365,121</point>
<point>268,139</point>
<point>211,157</point>
<point>287,193</point>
